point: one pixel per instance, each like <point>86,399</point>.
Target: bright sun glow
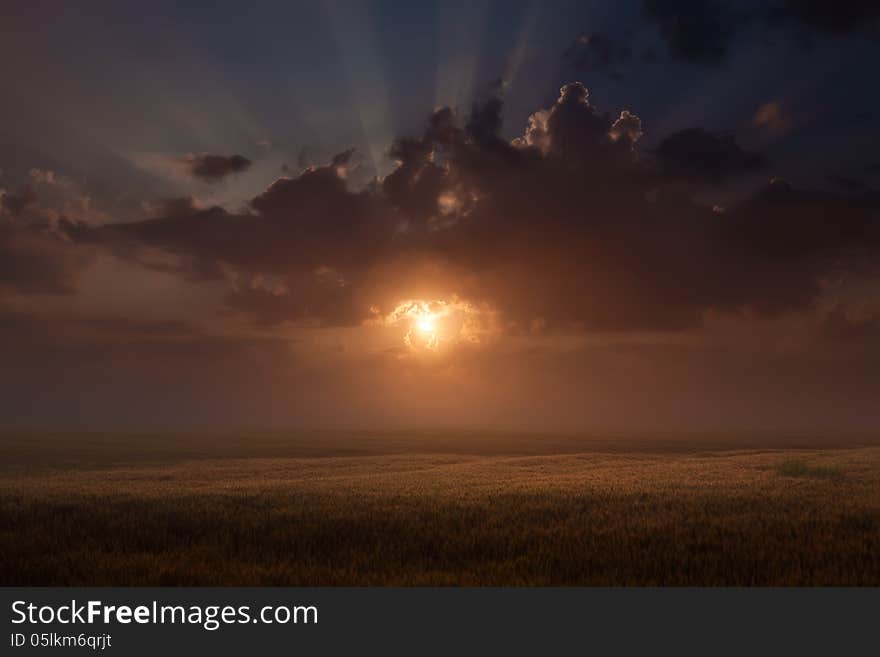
<point>435,325</point>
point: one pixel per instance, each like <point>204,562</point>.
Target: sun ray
<point>353,26</point>
<point>520,50</point>
<point>459,37</point>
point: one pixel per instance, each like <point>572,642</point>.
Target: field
<point>445,509</point>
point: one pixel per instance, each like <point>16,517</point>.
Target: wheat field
<point>304,509</point>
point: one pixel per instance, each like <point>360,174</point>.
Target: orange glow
<point>433,325</point>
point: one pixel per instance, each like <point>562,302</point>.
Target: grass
<point>801,469</point>
<point>435,511</point>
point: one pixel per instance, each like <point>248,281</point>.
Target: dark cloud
<point>275,258</point>
<point>35,256</point>
<point>213,168</point>
<point>35,259</point>
<point>695,154</point>
<point>701,31</point>
<point>24,328</point>
<point>628,127</point>
<point>827,18</point>
<point>175,207</point>
<point>568,225</point>
<point>848,184</point>
<point>698,31</point>
<point>841,323</point>
<point>16,203</point>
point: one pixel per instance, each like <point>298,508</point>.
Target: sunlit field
<point>451,509</point>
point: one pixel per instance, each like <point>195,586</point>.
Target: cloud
<point>842,323</point>
<point>773,117</point>
<point>273,258</point>
<point>213,168</point>
<point>693,153</point>
<point>16,203</point>
<point>848,184</point>
<point>35,257</point>
<point>698,31</point>
<point>45,197</point>
<point>569,225</point>
<point>627,128</point>
<point>826,18</point>
<point>702,31</point>
<point>35,260</point>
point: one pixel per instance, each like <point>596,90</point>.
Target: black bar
<point>490,621</point>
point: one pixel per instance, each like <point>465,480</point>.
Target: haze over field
<point>494,215</point>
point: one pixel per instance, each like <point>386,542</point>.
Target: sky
<point>563,216</point>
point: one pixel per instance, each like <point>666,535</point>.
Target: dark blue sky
<point>94,92</point>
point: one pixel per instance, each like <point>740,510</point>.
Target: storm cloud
<point>693,153</point>
<point>569,225</point>
<point>214,168</point>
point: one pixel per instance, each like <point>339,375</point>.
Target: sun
<point>436,325</point>
<point>424,331</point>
